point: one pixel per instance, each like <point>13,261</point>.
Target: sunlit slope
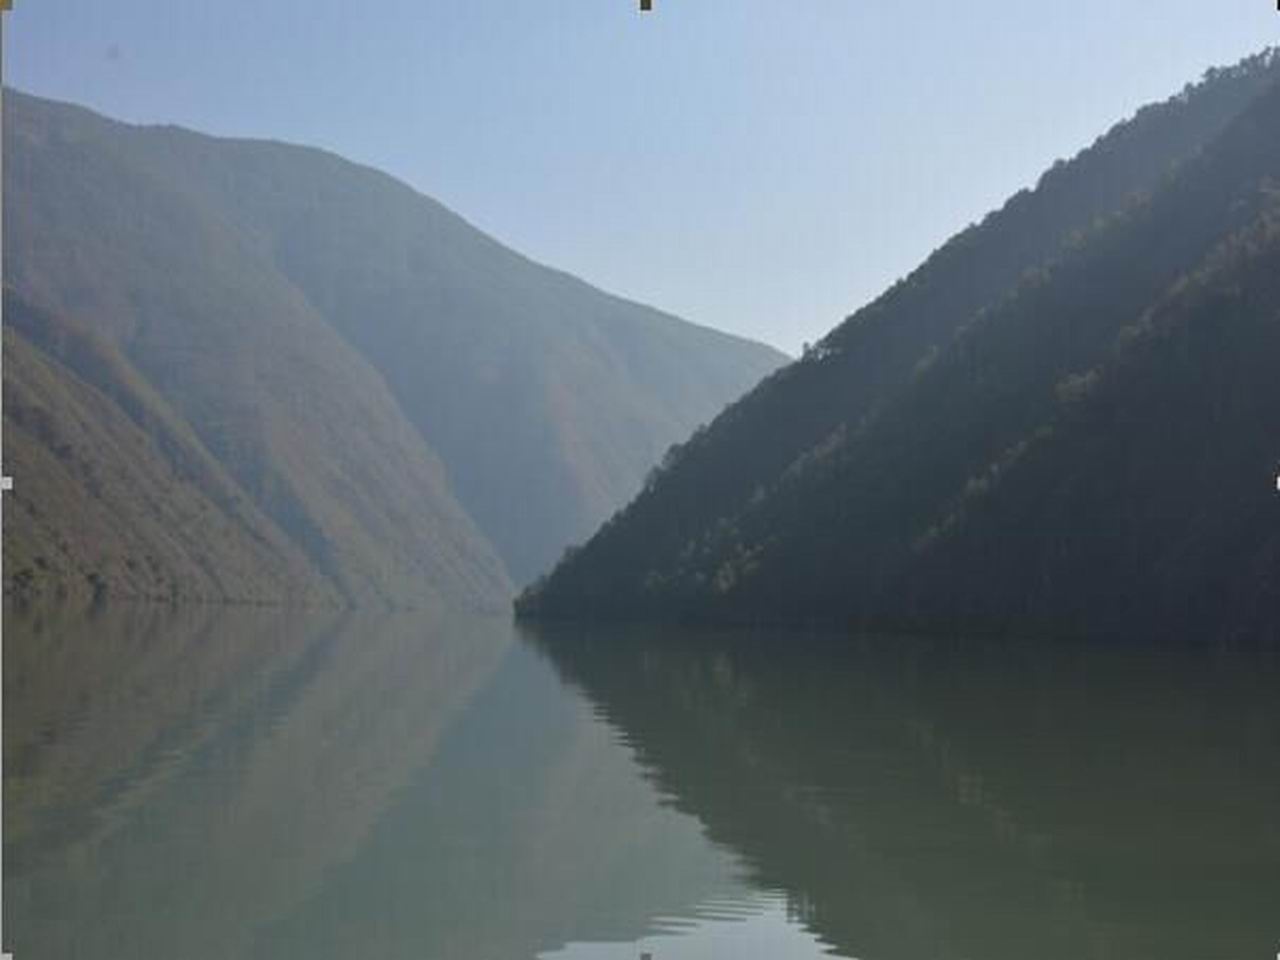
<point>412,411</point>
<point>116,496</point>
<point>303,425</point>
<point>548,400</point>
<point>832,490</point>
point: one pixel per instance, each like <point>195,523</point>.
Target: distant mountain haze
<point>256,372</point>
<point>1064,421</point>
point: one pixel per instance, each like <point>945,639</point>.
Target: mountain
<point>1062,421</point>
<point>128,500</point>
<point>251,371</point>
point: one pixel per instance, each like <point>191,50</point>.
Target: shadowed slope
<point>823,494</point>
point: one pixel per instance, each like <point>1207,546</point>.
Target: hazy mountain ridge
<point>917,407</point>
<point>269,303</point>
<point>590,388</point>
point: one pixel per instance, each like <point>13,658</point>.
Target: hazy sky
<point>762,167</point>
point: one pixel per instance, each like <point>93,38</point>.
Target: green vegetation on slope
<point>1147,495</point>
<point>840,489</point>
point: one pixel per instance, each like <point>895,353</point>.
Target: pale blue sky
<point>761,167</point>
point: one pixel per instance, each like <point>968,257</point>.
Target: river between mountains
<point>201,784</point>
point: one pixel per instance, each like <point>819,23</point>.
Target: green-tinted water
<point>213,784</point>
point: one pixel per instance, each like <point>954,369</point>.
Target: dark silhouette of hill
<point>1063,420</point>
<point>378,401</point>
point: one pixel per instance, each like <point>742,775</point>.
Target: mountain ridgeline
<point>1066,420</point>
<point>248,371</point>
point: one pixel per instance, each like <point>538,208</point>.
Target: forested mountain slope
<point>395,407</point>
<point>878,480</point>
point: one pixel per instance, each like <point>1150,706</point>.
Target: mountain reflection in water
<point>969,799</point>
<point>240,784</point>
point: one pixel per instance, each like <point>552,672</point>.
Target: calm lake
<point>201,784</point>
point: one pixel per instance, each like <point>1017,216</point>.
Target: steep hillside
<point>868,455</point>
<point>548,400</point>
<point>116,497</point>
<point>412,411</point>
<point>302,424</point>
<point>1148,494</point>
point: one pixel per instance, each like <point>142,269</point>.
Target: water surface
<point>218,784</point>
